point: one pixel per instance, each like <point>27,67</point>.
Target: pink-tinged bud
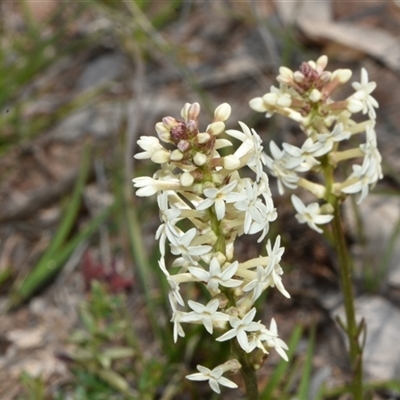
<point>200,159</point>
<point>186,179</point>
<point>325,76</point>
<point>309,71</point>
<point>193,112</point>
<point>183,146</point>
<point>222,112</point>
<point>163,132</point>
<point>216,128</point>
<point>203,137</point>
<point>170,122</point>
<point>176,155</point>
<point>191,125</point>
<point>179,132</point>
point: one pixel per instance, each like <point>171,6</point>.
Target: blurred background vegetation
<point>83,304</point>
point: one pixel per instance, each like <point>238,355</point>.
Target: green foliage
<point>33,388</point>
<point>109,358</point>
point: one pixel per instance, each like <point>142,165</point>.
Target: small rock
<point>381,351</point>
<point>380,217</point>
<point>101,70</point>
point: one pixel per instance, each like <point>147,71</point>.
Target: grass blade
<point>282,366</point>
<point>54,255</point>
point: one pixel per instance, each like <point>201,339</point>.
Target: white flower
<point>169,216</point>
<point>216,276</point>
<point>274,270</point>
<point>259,284</point>
<point>251,205</point>
<point>278,166</point>
<point>371,151</point>
<point>363,93</point>
<point>251,150</point>
<point>206,314</point>
<point>174,295</point>
<point>257,339</point>
<point>239,329</point>
<point>261,222</point>
<point>218,197</point>
<point>181,245</point>
<point>310,214</point>
<point>214,378</point>
<point>176,319</point>
<point>329,139</point>
<point>151,145</point>
<point>149,186</point>
<point>362,177</point>
<point>273,341</point>
<point>307,153</point>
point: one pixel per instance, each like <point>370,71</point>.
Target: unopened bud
<point>298,77</point>
<point>231,162</point>
<point>163,132</point>
<point>200,159</point>
<point>354,106</point>
<point>160,156</point>
<point>193,111</point>
<point>270,98</point>
<point>216,128</point>
<point>176,155</point>
<point>315,95</point>
<point>203,137</point>
<point>222,112</point>
<point>183,146</point>
<point>186,179</point>
<point>322,62</point>
<point>343,75</point>
<point>284,101</point>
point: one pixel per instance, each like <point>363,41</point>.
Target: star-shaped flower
<point>214,378</point>
<point>239,329</point>
<point>363,93</point>
<point>206,314</point>
<point>216,275</point>
<point>310,214</point>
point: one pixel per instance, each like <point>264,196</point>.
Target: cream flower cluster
<point>330,130</point>
<point>205,204</point>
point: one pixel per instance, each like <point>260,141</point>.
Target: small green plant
<point>108,361</point>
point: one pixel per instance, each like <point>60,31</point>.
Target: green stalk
<point>352,329</point>
<point>247,371</point>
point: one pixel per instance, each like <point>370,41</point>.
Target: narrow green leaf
<point>307,368</point>
<point>54,256</point>
<point>282,366</point>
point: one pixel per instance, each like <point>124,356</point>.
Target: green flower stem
<point>247,371</point>
<point>352,330</point>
